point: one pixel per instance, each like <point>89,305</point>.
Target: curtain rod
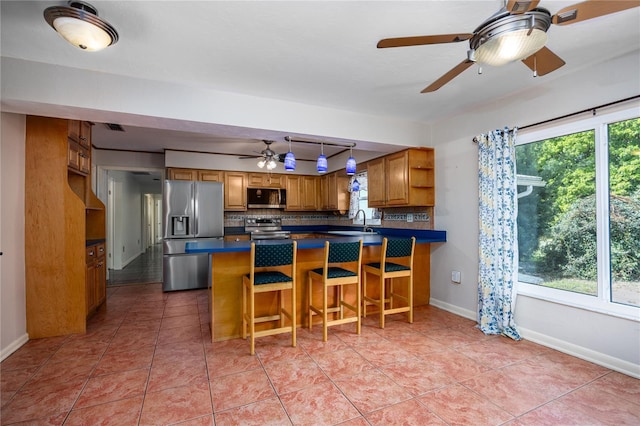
<point>593,109</point>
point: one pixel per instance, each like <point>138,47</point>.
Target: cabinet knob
<point>91,253</point>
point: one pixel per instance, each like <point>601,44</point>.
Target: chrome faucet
<point>364,219</point>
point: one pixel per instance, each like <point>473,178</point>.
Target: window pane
<point>557,213</point>
<point>624,211</point>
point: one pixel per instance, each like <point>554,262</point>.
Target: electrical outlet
<point>456,277</point>
<point>409,217</point>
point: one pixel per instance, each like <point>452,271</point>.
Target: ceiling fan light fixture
<point>507,38</point>
<point>79,24</point>
<point>510,47</point>
<point>262,162</point>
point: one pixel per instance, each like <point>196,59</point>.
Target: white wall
<point>608,340</point>
<point>13,316</point>
<point>128,238</point>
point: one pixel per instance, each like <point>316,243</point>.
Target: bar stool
<point>273,269</point>
<point>342,265</point>
<point>401,252</point>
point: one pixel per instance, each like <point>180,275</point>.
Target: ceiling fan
<point>268,158</point>
<point>518,31</point>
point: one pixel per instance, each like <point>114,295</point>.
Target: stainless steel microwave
<point>266,198</point>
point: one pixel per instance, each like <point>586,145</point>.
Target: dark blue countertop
<point>370,239</point>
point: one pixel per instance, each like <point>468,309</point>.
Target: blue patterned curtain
<point>498,240</point>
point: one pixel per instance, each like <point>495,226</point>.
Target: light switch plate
<point>409,217</point>
<point>456,277</point>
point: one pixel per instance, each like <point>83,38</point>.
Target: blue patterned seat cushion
<point>389,267</point>
<point>335,272</point>
<point>269,277</point>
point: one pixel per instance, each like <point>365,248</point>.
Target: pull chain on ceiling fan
<point>518,31</point>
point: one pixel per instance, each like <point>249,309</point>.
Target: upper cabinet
<point>405,178</point>
<point>235,191</point>
<point>210,176</point>
<point>334,192</point>
<point>267,180</point>
<point>79,146</point>
<point>182,174</point>
<point>302,192</point>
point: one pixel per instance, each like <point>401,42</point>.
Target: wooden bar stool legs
<point>400,251</point>
<point>342,267</point>
<point>273,269</point>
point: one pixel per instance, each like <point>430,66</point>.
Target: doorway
<point>134,237</point>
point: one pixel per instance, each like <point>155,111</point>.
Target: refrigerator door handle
<point>196,212</point>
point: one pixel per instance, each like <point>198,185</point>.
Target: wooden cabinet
<point>182,174</point>
<point>79,146</point>
<point>96,277</point>
<point>302,193</point>
<point>210,176</point>
<point>235,191</point>
<point>334,192</point>
<point>293,193</point>
<point>61,214</point>
<point>405,178</point>
<point>267,180</point>
<point>309,195</point>
<point>237,237</point>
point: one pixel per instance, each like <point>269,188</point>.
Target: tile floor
<point>146,268</point>
<point>147,359</point>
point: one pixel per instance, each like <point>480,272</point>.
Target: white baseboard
<point>616,364</point>
<point>13,346</point>
<point>131,259</point>
<point>454,309</point>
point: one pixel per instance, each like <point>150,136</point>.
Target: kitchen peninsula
<point>230,260</point>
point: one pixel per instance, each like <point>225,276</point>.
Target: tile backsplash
<point>391,218</point>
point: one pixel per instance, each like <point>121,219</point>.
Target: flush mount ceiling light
<point>510,38</point>
<point>79,24</point>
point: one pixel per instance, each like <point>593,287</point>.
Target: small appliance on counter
<point>193,211</point>
<point>265,228</point>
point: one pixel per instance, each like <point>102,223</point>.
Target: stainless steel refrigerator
<point>193,211</point>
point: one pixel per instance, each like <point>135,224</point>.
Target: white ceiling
<point>313,52</point>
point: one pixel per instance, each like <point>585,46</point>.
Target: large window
<point>579,213</point>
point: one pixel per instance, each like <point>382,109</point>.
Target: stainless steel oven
<point>265,229</point>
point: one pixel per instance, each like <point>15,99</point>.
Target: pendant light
<point>79,24</point>
<point>322,161</point>
<point>351,163</point>
<point>289,160</point>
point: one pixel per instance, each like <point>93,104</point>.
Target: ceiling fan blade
<point>591,9</point>
<point>520,6</point>
<point>422,40</point>
<point>448,76</point>
<point>543,61</point>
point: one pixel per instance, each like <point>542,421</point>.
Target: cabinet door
<point>183,174</point>
<point>73,130</point>
<point>84,136</point>
<point>310,193</point>
<point>293,193</point>
<point>376,183</point>
<point>73,155</point>
<point>397,179</point>
<point>100,281</point>
<point>235,191</point>
<point>210,176</point>
<point>324,193</point>
<point>90,287</point>
<point>84,157</point>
